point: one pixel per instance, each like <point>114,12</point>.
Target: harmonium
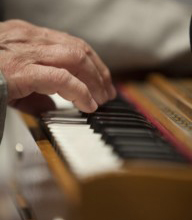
<point>129,160</point>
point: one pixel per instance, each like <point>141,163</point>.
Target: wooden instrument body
<point>139,190</point>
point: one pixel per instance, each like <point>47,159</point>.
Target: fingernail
<point>93,105</point>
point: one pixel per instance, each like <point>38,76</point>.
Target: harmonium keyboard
<point>129,160</point>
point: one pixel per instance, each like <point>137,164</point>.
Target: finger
<point>102,69</point>
<point>105,73</point>
<point>64,38</point>
<point>79,64</point>
<point>50,80</point>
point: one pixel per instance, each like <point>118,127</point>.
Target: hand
<point>44,61</point>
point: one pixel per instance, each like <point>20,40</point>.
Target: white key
<point>86,153</point>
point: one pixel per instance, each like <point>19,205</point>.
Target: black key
<point>124,128</point>
<point>107,137</point>
<point>111,138</point>
<point>99,126</point>
<point>117,104</point>
<point>145,148</point>
<point>124,143</point>
<point>123,119</point>
<point>117,101</point>
<point>121,131</point>
<point>118,114</point>
<point>153,156</point>
<point>115,114</point>
<point>125,109</point>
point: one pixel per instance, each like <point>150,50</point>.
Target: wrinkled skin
<point>36,60</point>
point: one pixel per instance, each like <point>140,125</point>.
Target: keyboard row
<point>117,127</point>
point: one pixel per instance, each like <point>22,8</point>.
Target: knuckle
<point>61,78</point>
<point>87,50</point>
<point>23,85</point>
<point>106,75</point>
<point>17,62</point>
<point>19,31</point>
<point>18,22</point>
<point>82,90</point>
<point>80,56</point>
<point>53,81</point>
<point>16,33</point>
<point>84,46</point>
<point>44,32</point>
<point>81,42</point>
<point>49,78</point>
<point>58,47</point>
<point>39,53</point>
<point>24,32</point>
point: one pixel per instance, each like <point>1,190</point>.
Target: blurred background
<point>131,36</point>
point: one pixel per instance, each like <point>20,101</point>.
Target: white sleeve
<point>139,33</point>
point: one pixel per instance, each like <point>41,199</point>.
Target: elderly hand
<point>44,61</point>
